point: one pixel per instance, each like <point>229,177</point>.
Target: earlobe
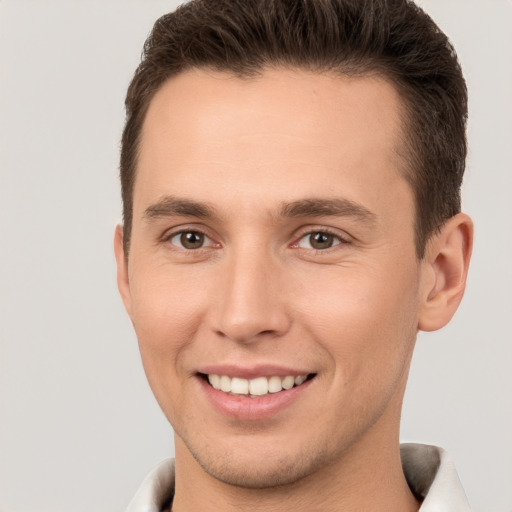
<point>123,282</point>
<point>446,265</point>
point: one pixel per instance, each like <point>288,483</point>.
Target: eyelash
<point>168,237</point>
<point>323,231</point>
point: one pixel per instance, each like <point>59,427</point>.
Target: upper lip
<point>251,372</point>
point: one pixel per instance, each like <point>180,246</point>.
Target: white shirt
<point>428,470</point>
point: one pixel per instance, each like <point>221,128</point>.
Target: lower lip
<point>252,408</point>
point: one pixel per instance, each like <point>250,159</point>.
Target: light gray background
<point>78,425</point>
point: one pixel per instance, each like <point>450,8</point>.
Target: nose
<point>253,302</point>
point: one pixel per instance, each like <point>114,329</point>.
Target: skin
<point>257,292</point>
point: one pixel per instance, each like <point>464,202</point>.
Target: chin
<point>261,470</point>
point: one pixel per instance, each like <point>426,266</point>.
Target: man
<point>291,175</point>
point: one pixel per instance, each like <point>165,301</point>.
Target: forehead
<point>285,131</point>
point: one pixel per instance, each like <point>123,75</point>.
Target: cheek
<point>365,322</point>
<point>165,305</point>
<point>166,313</point>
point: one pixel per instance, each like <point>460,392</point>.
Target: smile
<point>257,387</point>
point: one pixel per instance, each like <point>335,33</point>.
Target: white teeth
<point>274,385</point>
<point>300,379</point>
<point>225,384</point>
<point>214,380</point>
<point>259,386</point>
<point>254,387</point>
<point>288,382</point>
<point>240,386</point>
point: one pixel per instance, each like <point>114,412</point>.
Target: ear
<point>123,283</point>
<point>446,268</point>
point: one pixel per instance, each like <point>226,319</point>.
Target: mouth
<point>256,387</point>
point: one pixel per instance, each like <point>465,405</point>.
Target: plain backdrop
<point>79,427</point>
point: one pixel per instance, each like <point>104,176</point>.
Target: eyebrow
<point>336,207</point>
<point>170,206</point>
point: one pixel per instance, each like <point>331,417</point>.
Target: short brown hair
<point>393,38</point>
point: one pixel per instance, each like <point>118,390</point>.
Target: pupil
<point>191,240</point>
<point>321,240</point>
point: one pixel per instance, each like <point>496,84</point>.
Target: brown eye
<point>189,240</point>
<point>321,240</point>
<point>318,240</point>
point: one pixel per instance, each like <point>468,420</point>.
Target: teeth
<point>254,387</point>
<point>214,381</point>
<point>225,384</point>
<point>288,382</point>
<point>240,386</point>
<point>259,386</point>
<point>300,379</point>
<point>274,384</point>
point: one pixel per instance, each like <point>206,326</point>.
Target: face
<point>272,278</point>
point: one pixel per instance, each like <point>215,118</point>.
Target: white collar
<point>431,475</point>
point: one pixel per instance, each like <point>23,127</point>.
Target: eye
<point>319,240</point>
<point>190,240</point>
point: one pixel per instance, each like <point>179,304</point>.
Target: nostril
<point>246,332</point>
